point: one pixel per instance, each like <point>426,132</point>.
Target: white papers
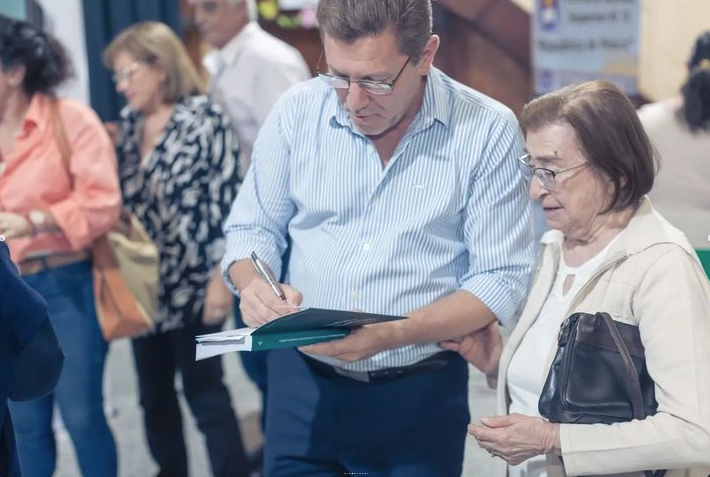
<point>214,344</point>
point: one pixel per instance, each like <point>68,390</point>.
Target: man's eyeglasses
<point>546,177</point>
<point>379,88</point>
<point>125,73</point>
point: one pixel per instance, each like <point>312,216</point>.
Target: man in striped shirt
<point>401,193</point>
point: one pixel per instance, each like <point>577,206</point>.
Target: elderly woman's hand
<point>516,438</point>
<point>481,348</point>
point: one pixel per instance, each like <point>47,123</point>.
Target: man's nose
<point>121,86</point>
<point>357,97</point>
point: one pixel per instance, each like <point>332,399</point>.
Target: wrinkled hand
<point>516,438</point>
<point>481,348</point>
<point>218,301</point>
<point>361,343</point>
<point>14,225</point>
<point>259,304</point>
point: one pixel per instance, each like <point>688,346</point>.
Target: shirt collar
<point>228,54</point>
<point>38,114</point>
<point>436,104</point>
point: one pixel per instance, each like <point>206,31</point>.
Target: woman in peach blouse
<point>53,202</point>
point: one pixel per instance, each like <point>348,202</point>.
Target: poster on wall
<point>580,40</point>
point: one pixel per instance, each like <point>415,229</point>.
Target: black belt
<point>433,363</point>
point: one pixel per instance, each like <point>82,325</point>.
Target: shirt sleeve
<point>92,206</point>
<point>497,225</point>
<point>259,217</point>
<point>672,305</point>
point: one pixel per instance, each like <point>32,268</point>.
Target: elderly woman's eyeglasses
<point>546,177</point>
<point>379,88</point>
<point>125,73</point>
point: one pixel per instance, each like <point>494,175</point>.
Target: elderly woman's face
<point>140,83</point>
<point>580,194</point>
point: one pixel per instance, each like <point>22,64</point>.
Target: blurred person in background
<point>30,356</point>
<point>250,70</point>
<point>249,67</point>
<point>679,128</point>
<point>58,191</point>
<point>179,175</point>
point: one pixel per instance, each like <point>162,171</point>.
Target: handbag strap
<point>60,137</point>
<point>631,382</point>
<point>633,386</point>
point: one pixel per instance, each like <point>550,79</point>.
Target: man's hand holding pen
<point>264,299</point>
<point>259,305</point>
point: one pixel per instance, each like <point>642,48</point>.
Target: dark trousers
<point>318,426</point>
<point>157,359</point>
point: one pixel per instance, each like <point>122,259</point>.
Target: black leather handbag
<point>598,375</point>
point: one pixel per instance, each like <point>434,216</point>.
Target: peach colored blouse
<point>34,177</point>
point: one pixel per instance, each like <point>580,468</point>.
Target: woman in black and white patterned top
<point>178,169</point>
<point>181,191</point>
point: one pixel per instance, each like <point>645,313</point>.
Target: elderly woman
<point>591,165</point>
<point>178,170</point>
<point>58,192</point>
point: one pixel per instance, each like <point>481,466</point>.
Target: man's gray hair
<point>350,20</point>
<point>251,7</point>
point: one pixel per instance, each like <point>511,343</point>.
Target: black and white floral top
<point>181,194</point>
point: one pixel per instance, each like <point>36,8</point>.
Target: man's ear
<point>430,49</point>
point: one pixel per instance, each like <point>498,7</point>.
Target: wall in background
<point>65,20</point>
<point>668,31</point>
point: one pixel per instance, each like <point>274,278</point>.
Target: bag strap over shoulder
<point>626,276</point>
<point>60,136</point>
<point>631,381</point>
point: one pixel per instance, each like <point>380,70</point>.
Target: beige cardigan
<point>651,278</point>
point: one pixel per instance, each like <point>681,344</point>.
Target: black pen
<point>266,274</point>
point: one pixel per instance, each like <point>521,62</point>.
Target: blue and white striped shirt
<point>449,211</point>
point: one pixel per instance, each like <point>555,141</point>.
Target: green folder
<point>308,326</point>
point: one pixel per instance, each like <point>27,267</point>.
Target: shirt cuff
<point>70,219</point>
<point>497,297</point>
